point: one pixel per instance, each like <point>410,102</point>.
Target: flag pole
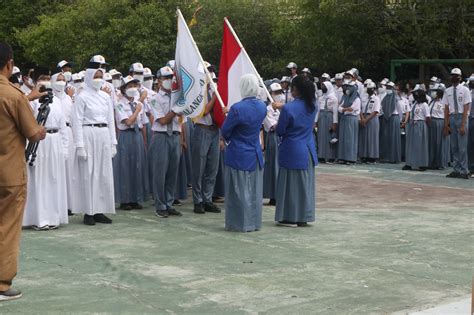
<point>247,56</point>
<point>208,74</point>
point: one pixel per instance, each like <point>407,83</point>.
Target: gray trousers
<point>459,143</point>
<point>471,143</point>
<point>164,156</point>
<point>205,163</point>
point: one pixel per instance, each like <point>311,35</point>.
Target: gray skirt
<point>326,150</point>
<point>131,181</point>
<point>187,155</point>
<point>390,140</point>
<point>348,138</point>
<point>270,171</point>
<point>243,200</point>
<point>439,145</point>
<point>417,145</point>
<point>219,186</point>
<point>470,144</point>
<point>369,139</point>
<point>182,183</point>
<point>296,197</point>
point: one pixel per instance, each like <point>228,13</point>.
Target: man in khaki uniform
<point>17,124</point>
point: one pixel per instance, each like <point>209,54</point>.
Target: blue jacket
<point>242,130</point>
<point>295,126</point>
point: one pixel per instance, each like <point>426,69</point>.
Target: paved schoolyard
<point>385,241</point>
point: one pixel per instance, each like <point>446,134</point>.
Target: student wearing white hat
<point>369,126</point>
<point>433,81</point>
<point>130,163</point>
<point>338,89</point>
<point>390,136</point>
<point>285,85</point>
<point>293,70</point>
<point>349,109</point>
<point>77,83</point>
<point>471,127</point>
<point>327,123</point>
<point>66,68</point>
<point>97,61</point>
<point>165,147</point>
<point>94,137</point>
<point>306,72</point>
<point>439,145</point>
<point>325,77</point>
<point>457,100</point>
<point>116,78</point>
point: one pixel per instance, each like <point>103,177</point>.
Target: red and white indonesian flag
<point>235,62</point>
<point>189,85</point>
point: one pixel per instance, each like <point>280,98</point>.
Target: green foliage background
<point>325,35</point>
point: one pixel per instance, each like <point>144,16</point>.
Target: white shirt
<point>207,119</point>
<point>271,119</point>
<point>464,97</point>
<point>372,105</point>
<point>355,108</point>
<point>330,103</point>
<point>66,102</point>
<point>160,106</point>
<point>339,93</point>
<point>92,107</point>
<point>123,110</point>
<point>405,104</point>
<point>436,108</point>
<point>422,111</point>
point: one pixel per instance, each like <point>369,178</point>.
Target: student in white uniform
<point>77,83</point>
<point>292,69</point>
<point>338,90</point>
<point>165,147</point>
<point>417,156</point>
<point>349,110</point>
<point>390,136</point>
<point>369,126</point>
<point>439,145</point>
<point>46,203</point>
<point>94,137</point>
<point>327,124</point>
<point>285,85</point>
<point>471,127</point>
<point>457,100</point>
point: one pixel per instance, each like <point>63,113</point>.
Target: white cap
<point>456,71</point>
<point>16,70</point>
<point>384,81</point>
<point>171,64</point>
<point>471,78</point>
<point>165,71</point>
<point>371,85</point>
<point>339,76</point>
<point>98,59</point>
<point>126,80</point>
<point>390,83</point>
<point>350,72</point>
<point>434,79</point>
<point>292,65</point>
<point>285,79</point>
<point>63,63</point>
<point>147,73</point>
<point>306,70</point>
<point>107,76</point>
<point>417,87</point>
<point>348,82</point>
<point>441,86</point>
<point>333,80</point>
<point>114,72</point>
<point>355,71</point>
<point>275,87</point>
<point>136,67</point>
<point>76,77</point>
<point>326,76</point>
<point>367,81</point>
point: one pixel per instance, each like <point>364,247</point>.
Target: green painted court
<point>385,241</point>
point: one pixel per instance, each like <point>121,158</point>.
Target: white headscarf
<point>54,78</point>
<point>330,89</point>
<point>89,76</point>
<point>248,85</point>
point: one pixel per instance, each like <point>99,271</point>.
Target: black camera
<point>48,98</point>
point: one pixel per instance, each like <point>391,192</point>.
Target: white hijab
<point>330,89</point>
<point>248,85</point>
<point>56,93</point>
<point>89,76</point>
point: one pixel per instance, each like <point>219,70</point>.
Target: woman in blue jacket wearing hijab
<point>244,159</point>
<point>295,197</point>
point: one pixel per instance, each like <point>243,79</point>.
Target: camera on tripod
<point>48,98</point>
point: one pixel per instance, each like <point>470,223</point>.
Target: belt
<point>211,127</point>
<point>52,130</point>
<point>131,129</point>
<point>165,132</point>
<point>68,124</point>
<point>96,125</point>
<point>435,118</point>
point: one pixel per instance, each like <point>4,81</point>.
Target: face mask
<point>131,92</point>
<point>166,84</point>
<point>148,84</point>
<point>348,92</point>
<point>431,86</point>
<point>78,85</point>
<point>138,77</point>
<point>389,92</point>
<point>116,83</point>
<point>381,90</point>
<point>67,75</point>
<point>433,94</point>
<point>59,86</point>
<point>46,84</point>
<point>97,83</point>
<point>278,98</point>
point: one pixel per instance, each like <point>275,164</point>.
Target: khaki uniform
<point>17,123</point>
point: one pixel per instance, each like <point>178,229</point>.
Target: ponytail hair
<point>306,90</point>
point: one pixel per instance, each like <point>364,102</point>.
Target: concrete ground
<point>385,241</point>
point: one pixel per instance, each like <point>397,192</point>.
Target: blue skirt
<point>470,143</point>
<point>390,140</point>
<point>326,150</point>
<point>131,181</point>
<point>369,139</point>
<point>348,138</point>
<point>417,144</point>
<point>243,200</point>
<point>270,171</point>
<point>439,145</point>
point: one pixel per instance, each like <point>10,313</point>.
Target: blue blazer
<point>241,130</point>
<point>295,126</point>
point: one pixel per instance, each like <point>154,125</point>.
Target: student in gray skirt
<point>390,135</point>
<point>417,136</point>
<point>349,124</point>
<point>327,124</point>
<point>439,145</point>
<point>369,127</point>
<point>295,198</point>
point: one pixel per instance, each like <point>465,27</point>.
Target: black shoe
<point>218,199</point>
<point>136,205</point>
<point>210,207</point>
<point>89,219</point>
<point>69,213</point>
<point>199,209</point>
<point>162,213</point>
<point>302,224</point>
<point>173,211</point>
<point>272,202</point>
<point>10,294</point>
<point>464,176</point>
<point>101,218</point>
<point>406,168</point>
<point>453,175</point>
<point>177,203</point>
<point>286,223</point>
<point>422,169</point>
<point>125,206</point>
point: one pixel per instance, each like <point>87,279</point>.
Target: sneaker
<point>210,207</point>
<point>10,294</point>
<point>302,224</point>
<point>89,219</point>
<point>199,209</point>
<point>406,168</point>
<point>162,213</point>
<point>286,223</point>
<point>136,205</point>
<point>69,213</point>
<point>40,228</point>
<point>453,175</point>
<point>126,206</point>
<point>464,176</point>
<point>53,227</point>
<point>177,203</point>
<point>101,218</point>
<point>173,211</point>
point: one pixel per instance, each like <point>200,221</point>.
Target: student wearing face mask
<point>417,156</point>
<point>349,124</point>
<point>457,100</point>
<point>116,79</point>
<point>369,126</point>
<point>94,137</point>
<point>402,94</point>
<point>77,83</point>
<point>66,68</point>
<point>46,202</point>
<point>327,124</point>
<point>150,94</point>
<point>165,147</point>
<point>471,127</point>
<point>390,135</point>
<point>285,85</point>
<point>130,164</point>
<point>439,145</point>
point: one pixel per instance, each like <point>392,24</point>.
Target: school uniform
<point>189,129</point>
<point>417,155</point>
<point>328,115</point>
<point>181,192</point>
<point>405,105</point>
<point>244,165</point>
<point>349,132</point>
<point>390,134</point>
<point>130,164</point>
<point>439,145</point>
<point>219,187</point>
<point>295,199</point>
<point>471,138</point>
<point>270,172</point>
<point>455,98</point>
<point>369,134</point>
<point>164,152</point>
